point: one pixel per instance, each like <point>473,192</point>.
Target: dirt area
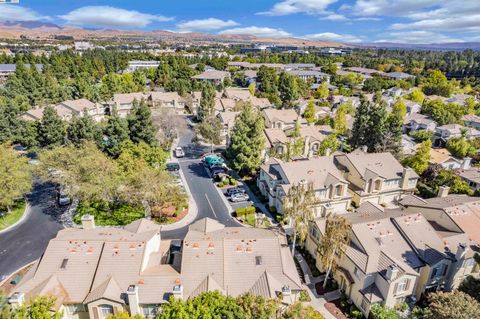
<point>335,311</point>
<point>7,288</point>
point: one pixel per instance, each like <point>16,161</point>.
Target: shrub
<point>109,214</point>
<point>304,297</point>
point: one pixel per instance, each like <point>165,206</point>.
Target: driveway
<point>209,202</point>
<point>27,241</point>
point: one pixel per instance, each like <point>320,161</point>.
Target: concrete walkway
<point>317,302</point>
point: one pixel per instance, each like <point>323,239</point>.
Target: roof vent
<point>64,263</point>
<point>258,260</point>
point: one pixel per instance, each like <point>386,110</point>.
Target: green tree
<point>210,131</point>
<point>309,113</point>
<point>207,103</point>
<point>399,109</point>
<point>15,176</point>
<point>436,83</point>
<point>39,308</point>
<point>82,129</point>
<point>419,161</point>
<point>371,126</point>
<point>154,156</point>
<point>380,311</point>
<point>298,207</point>
<point>115,133</point>
<point>51,128</point>
<point>140,123</point>
<point>299,311</point>
<point>422,135</point>
<point>416,96</point>
<point>460,147</point>
<point>247,141</point>
<point>333,243</point>
<point>471,286</point>
<point>322,91</point>
<point>252,88</point>
<point>288,89</point>
<point>330,143</point>
<point>452,305</point>
<point>340,122</point>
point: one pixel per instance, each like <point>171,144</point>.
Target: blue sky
<point>355,21</point>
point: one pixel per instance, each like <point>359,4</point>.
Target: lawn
<point>109,214</point>
<point>15,215</point>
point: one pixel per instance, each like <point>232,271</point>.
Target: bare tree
<point>169,124</point>
<point>298,206</point>
<point>334,242</point>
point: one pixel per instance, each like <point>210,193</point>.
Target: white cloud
<point>111,17</point>
<point>330,36</point>
<point>17,13</point>
<point>206,24</point>
<point>390,8</point>
<point>335,17</point>
<point>288,7</point>
<point>418,37</point>
<point>258,31</point>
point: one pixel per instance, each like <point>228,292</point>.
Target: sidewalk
<point>317,302</point>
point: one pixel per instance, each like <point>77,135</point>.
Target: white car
<point>63,198</point>
<point>179,152</point>
<point>239,197</point>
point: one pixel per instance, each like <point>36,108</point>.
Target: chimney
<point>328,152</point>
<point>88,222</point>
<point>466,163</point>
<point>407,173</point>
<point>17,300</point>
<point>443,191</point>
<point>178,291</point>
<point>392,272</point>
<point>132,295</point>
<point>461,249</point>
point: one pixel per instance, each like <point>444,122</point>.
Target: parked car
<point>211,160</point>
<point>63,199</point>
<point>235,190</point>
<point>171,167</point>
<point>239,197</point>
<point>179,152</point>
<point>217,170</point>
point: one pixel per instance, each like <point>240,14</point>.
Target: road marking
<point>211,207</point>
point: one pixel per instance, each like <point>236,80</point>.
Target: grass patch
<point>8,219</point>
<point>108,214</point>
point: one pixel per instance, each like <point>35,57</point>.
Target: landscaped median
<point>8,219</point>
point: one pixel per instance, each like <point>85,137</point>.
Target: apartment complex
<point>339,180</point>
<point>96,271</point>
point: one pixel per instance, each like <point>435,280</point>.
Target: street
<point>28,240</point>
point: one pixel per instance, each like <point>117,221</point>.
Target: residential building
<point>472,120</point>
<point>376,177</point>
<point>416,122</point>
<point>68,109</point>
<point>445,132</point>
<point>227,119</point>
<point>306,75</point>
<point>409,146</point>
<point>95,272</point>
<point>123,102</point>
<point>460,98</point>
<point>135,65</point>
<point>331,188</point>
<point>282,119</point>
<point>215,77</point>
<point>366,71</point>
<point>279,140</point>
<point>399,76</point>
<point>471,175</point>
<point>442,157</point>
<point>82,46</point>
<point>167,99</point>
<point>412,107</point>
<point>378,265</point>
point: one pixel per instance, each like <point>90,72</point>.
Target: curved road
<point>28,240</point>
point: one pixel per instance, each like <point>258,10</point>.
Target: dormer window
<point>378,185</point>
<point>338,190</point>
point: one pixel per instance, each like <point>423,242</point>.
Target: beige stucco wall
<point>116,307</point>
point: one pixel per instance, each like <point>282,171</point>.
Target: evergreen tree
<point>247,141</point>
<point>140,124</point>
<point>288,89</point>
<point>115,133</point>
<point>51,128</point>
<point>322,91</point>
<point>207,103</point>
<point>361,124</point>
<point>419,161</point>
<point>83,128</point>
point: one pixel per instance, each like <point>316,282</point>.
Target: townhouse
<point>95,272</point>
<point>282,119</point>
<point>123,102</point>
<point>445,132</point>
<point>331,188</point>
<point>167,99</point>
<point>442,157</point>
<point>279,140</point>
<point>415,122</point>
<point>216,77</point>
<point>376,177</point>
<point>68,109</point>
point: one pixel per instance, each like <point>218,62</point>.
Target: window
<point>338,190</point>
<point>412,182</point>
<point>313,232</point>
<point>355,272</point>
<point>364,304</point>
<point>402,286</point>
<point>258,260</point>
<point>150,311</point>
<point>74,308</point>
<point>105,310</point>
<point>378,184</point>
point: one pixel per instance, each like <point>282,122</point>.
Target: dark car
<point>173,167</point>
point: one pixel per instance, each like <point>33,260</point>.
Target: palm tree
<point>333,243</point>
<point>298,207</point>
